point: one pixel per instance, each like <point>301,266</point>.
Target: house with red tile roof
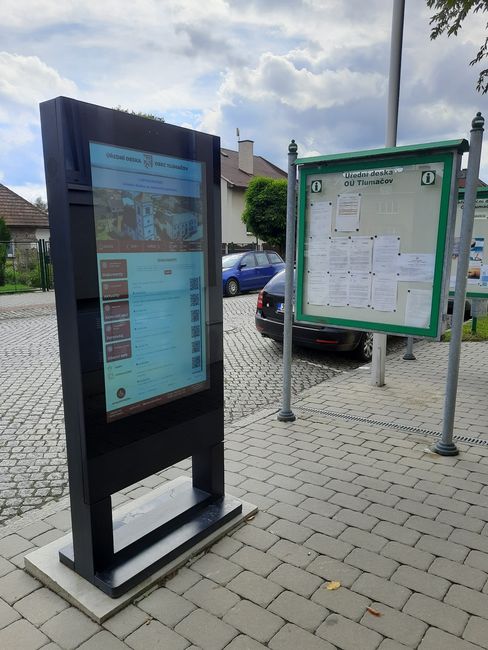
<point>26,222</point>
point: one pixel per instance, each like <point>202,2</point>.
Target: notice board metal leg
<point>378,361</point>
<point>409,355</point>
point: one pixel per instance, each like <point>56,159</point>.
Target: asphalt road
<point>32,447</point>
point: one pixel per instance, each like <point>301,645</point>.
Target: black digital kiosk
<point>134,208</point>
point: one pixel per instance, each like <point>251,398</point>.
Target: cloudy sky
<point>313,70</point>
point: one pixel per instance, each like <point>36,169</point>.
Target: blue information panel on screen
<point>150,232</point>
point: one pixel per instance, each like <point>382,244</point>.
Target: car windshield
<point>230,260</point>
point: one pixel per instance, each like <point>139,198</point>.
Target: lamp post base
<point>445,449</point>
<point>286,416</point>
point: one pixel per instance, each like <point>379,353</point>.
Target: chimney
<point>246,160</point>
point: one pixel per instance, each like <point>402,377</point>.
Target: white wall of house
<point>43,233</point>
<point>233,230</point>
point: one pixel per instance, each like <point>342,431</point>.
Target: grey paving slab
<point>476,631</point>
<point>253,587</point>
<point>256,622</point>
<point>291,637</point>
<point>304,613</point>
<point>22,635</point>
<point>342,601</point>
<point>347,635</point>
<point>420,581</point>
<point>103,640</point>
<point>70,628</point>
<point>459,573</point>
<point>384,591</point>
<point>394,624</point>
<point>40,605</point>
<point>206,631</point>
<point>156,636</point>
<point>441,615</point>
<point>166,606</point>
<point>436,639</point>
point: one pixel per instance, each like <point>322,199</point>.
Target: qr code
<point>195,346</point>
<point>194,299</point>
<point>194,283</point>
<point>195,331</point>
<point>196,362</point>
<point>195,315</point>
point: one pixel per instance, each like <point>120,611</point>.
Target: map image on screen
<point>150,229</point>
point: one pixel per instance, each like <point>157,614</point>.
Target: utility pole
<point>379,340</point>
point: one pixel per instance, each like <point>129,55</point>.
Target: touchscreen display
<point>150,235</point>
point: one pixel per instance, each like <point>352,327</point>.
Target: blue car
<point>249,270</point>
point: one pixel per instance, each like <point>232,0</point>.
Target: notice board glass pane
<point>371,243</point>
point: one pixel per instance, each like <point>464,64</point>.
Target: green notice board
<point>372,233</point>
<point>478,256</point>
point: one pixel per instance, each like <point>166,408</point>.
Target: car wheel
<point>364,350</point>
<point>232,287</point>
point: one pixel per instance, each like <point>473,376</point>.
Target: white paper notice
<point>384,294</point>
<point>385,255</point>
<point>417,310</point>
<point>348,212</point>
<point>360,254</point>
<point>318,252</point>
<point>320,219</point>
<point>360,290</point>
<point>416,267</point>
<point>339,254</point>
<point>317,287</point>
<point>338,289</point>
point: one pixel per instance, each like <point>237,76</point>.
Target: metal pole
<point>395,71</point>
<point>286,414</point>
<point>409,355</point>
<point>379,340</point>
<point>445,446</point>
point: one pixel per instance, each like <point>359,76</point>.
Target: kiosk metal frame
<point>107,456</point>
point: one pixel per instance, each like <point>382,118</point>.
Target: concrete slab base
<point>44,564</point>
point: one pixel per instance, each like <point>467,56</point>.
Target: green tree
<point>150,116</point>
<point>4,240</point>
<point>41,204</point>
<point>449,17</point>
<point>265,210</point>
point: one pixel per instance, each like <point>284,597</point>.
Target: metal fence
<point>25,266</point>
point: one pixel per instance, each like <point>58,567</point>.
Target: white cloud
<point>276,77</point>
<point>26,80</point>
<point>30,191</point>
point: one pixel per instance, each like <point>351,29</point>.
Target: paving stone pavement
<point>339,501</point>
<point>32,446</point>
<point>403,530</point>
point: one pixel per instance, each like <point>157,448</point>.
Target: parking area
<point>32,450</point>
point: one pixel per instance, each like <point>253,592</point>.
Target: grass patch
<point>481,333</point>
<point>13,288</point>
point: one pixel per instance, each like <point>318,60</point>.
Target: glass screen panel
<point>150,232</point>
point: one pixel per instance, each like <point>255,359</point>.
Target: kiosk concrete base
<point>44,563</point>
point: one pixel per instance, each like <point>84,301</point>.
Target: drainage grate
<point>392,425</point>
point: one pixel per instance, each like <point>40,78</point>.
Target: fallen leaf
<point>332,585</point>
<point>250,518</point>
<point>373,611</point>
